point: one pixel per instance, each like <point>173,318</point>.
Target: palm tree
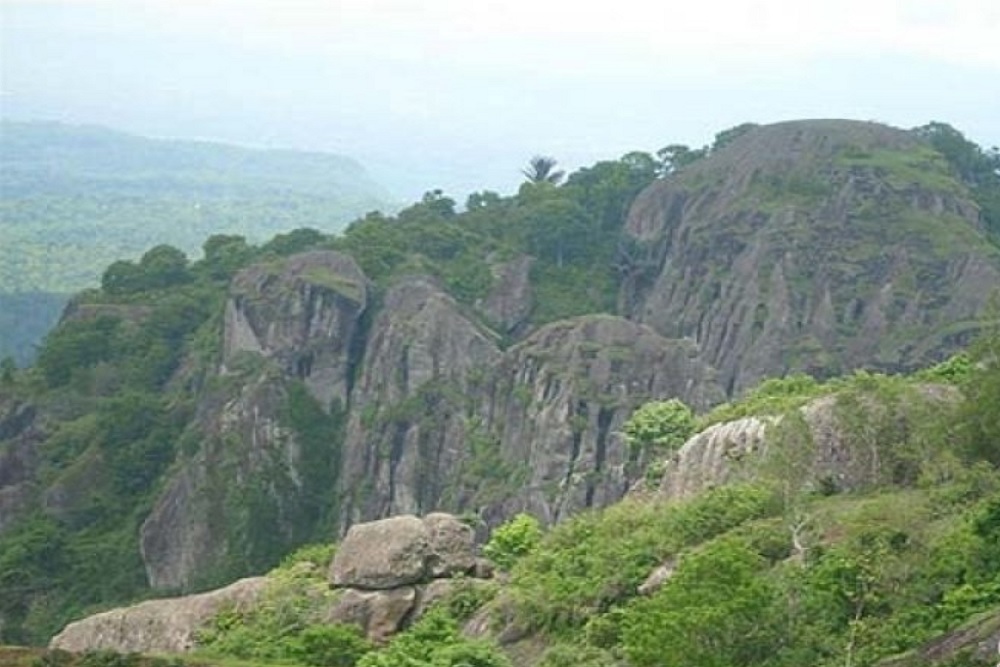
<point>541,169</point>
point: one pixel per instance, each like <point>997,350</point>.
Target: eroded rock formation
<point>797,248</point>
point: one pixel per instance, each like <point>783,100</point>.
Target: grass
<point>922,166</point>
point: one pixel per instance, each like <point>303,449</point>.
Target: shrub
<point>513,540</point>
<point>659,425</point>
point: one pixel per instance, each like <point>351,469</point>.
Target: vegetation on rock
<point>139,401</point>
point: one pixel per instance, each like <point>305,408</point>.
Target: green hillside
<point>76,198</point>
<point>229,389</point>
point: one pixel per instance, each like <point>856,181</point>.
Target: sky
<point>459,94</point>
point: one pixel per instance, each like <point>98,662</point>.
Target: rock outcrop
<point>558,400</point>
<point>247,452</point>
<point>304,314</point>
<point>406,431</point>
<point>156,626</point>
<point>817,246</point>
<point>713,457</point>
<point>834,443</point>
<point>509,302</point>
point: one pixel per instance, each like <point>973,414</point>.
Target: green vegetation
<point>77,199</point>
<point>777,572</point>
<point>513,540</point>
<point>120,380</point>
<point>659,426</point>
<point>925,167</point>
<point>977,168</point>
<point>286,626</point>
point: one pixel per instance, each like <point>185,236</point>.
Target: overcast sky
<point>458,94</point>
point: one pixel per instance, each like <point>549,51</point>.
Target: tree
<point>663,425</point>
<point>163,266</point>
<point>225,254</point>
<point>675,156</point>
<point>7,368</point>
<point>542,169</point>
<point>981,418</point>
<point>121,277</point>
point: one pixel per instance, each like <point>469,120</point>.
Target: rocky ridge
<point>816,246</point>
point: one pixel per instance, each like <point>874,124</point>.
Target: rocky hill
<point>190,423</point>
<point>815,246</point>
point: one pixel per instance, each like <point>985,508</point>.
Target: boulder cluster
<point>386,573</point>
<point>390,571</point>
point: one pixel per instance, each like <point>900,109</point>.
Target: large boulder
<point>384,554</point>
<point>403,550</point>
<point>156,626</point>
<point>379,613</point>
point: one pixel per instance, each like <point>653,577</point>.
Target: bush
<point>659,425</point>
<point>332,645</point>
<point>513,540</point>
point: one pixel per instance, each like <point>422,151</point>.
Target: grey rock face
<point>299,320</point>
<point>714,457</point>
<point>407,427</point>
<point>186,533</point>
<point>452,545</point>
<point>510,300</point>
<point>439,418</point>
<point>403,550</point>
<point>305,315</point>
<point>156,626</point>
<point>558,402</point>
<point>790,250</point>
<point>379,613</point>
<point>20,435</point>
<point>383,554</point>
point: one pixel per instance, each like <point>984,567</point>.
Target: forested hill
<point>76,198</point>
<point>192,421</point>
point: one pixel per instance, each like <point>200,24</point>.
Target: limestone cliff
<point>441,419</point>
<point>816,246</point>
<point>253,482</point>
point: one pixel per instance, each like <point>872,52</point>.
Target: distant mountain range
<point>75,198</point>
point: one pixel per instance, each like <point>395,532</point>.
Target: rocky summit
<point>817,246</point>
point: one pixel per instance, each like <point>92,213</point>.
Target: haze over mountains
<point>76,198</point>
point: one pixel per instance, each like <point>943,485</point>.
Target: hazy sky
<point>459,94</point>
